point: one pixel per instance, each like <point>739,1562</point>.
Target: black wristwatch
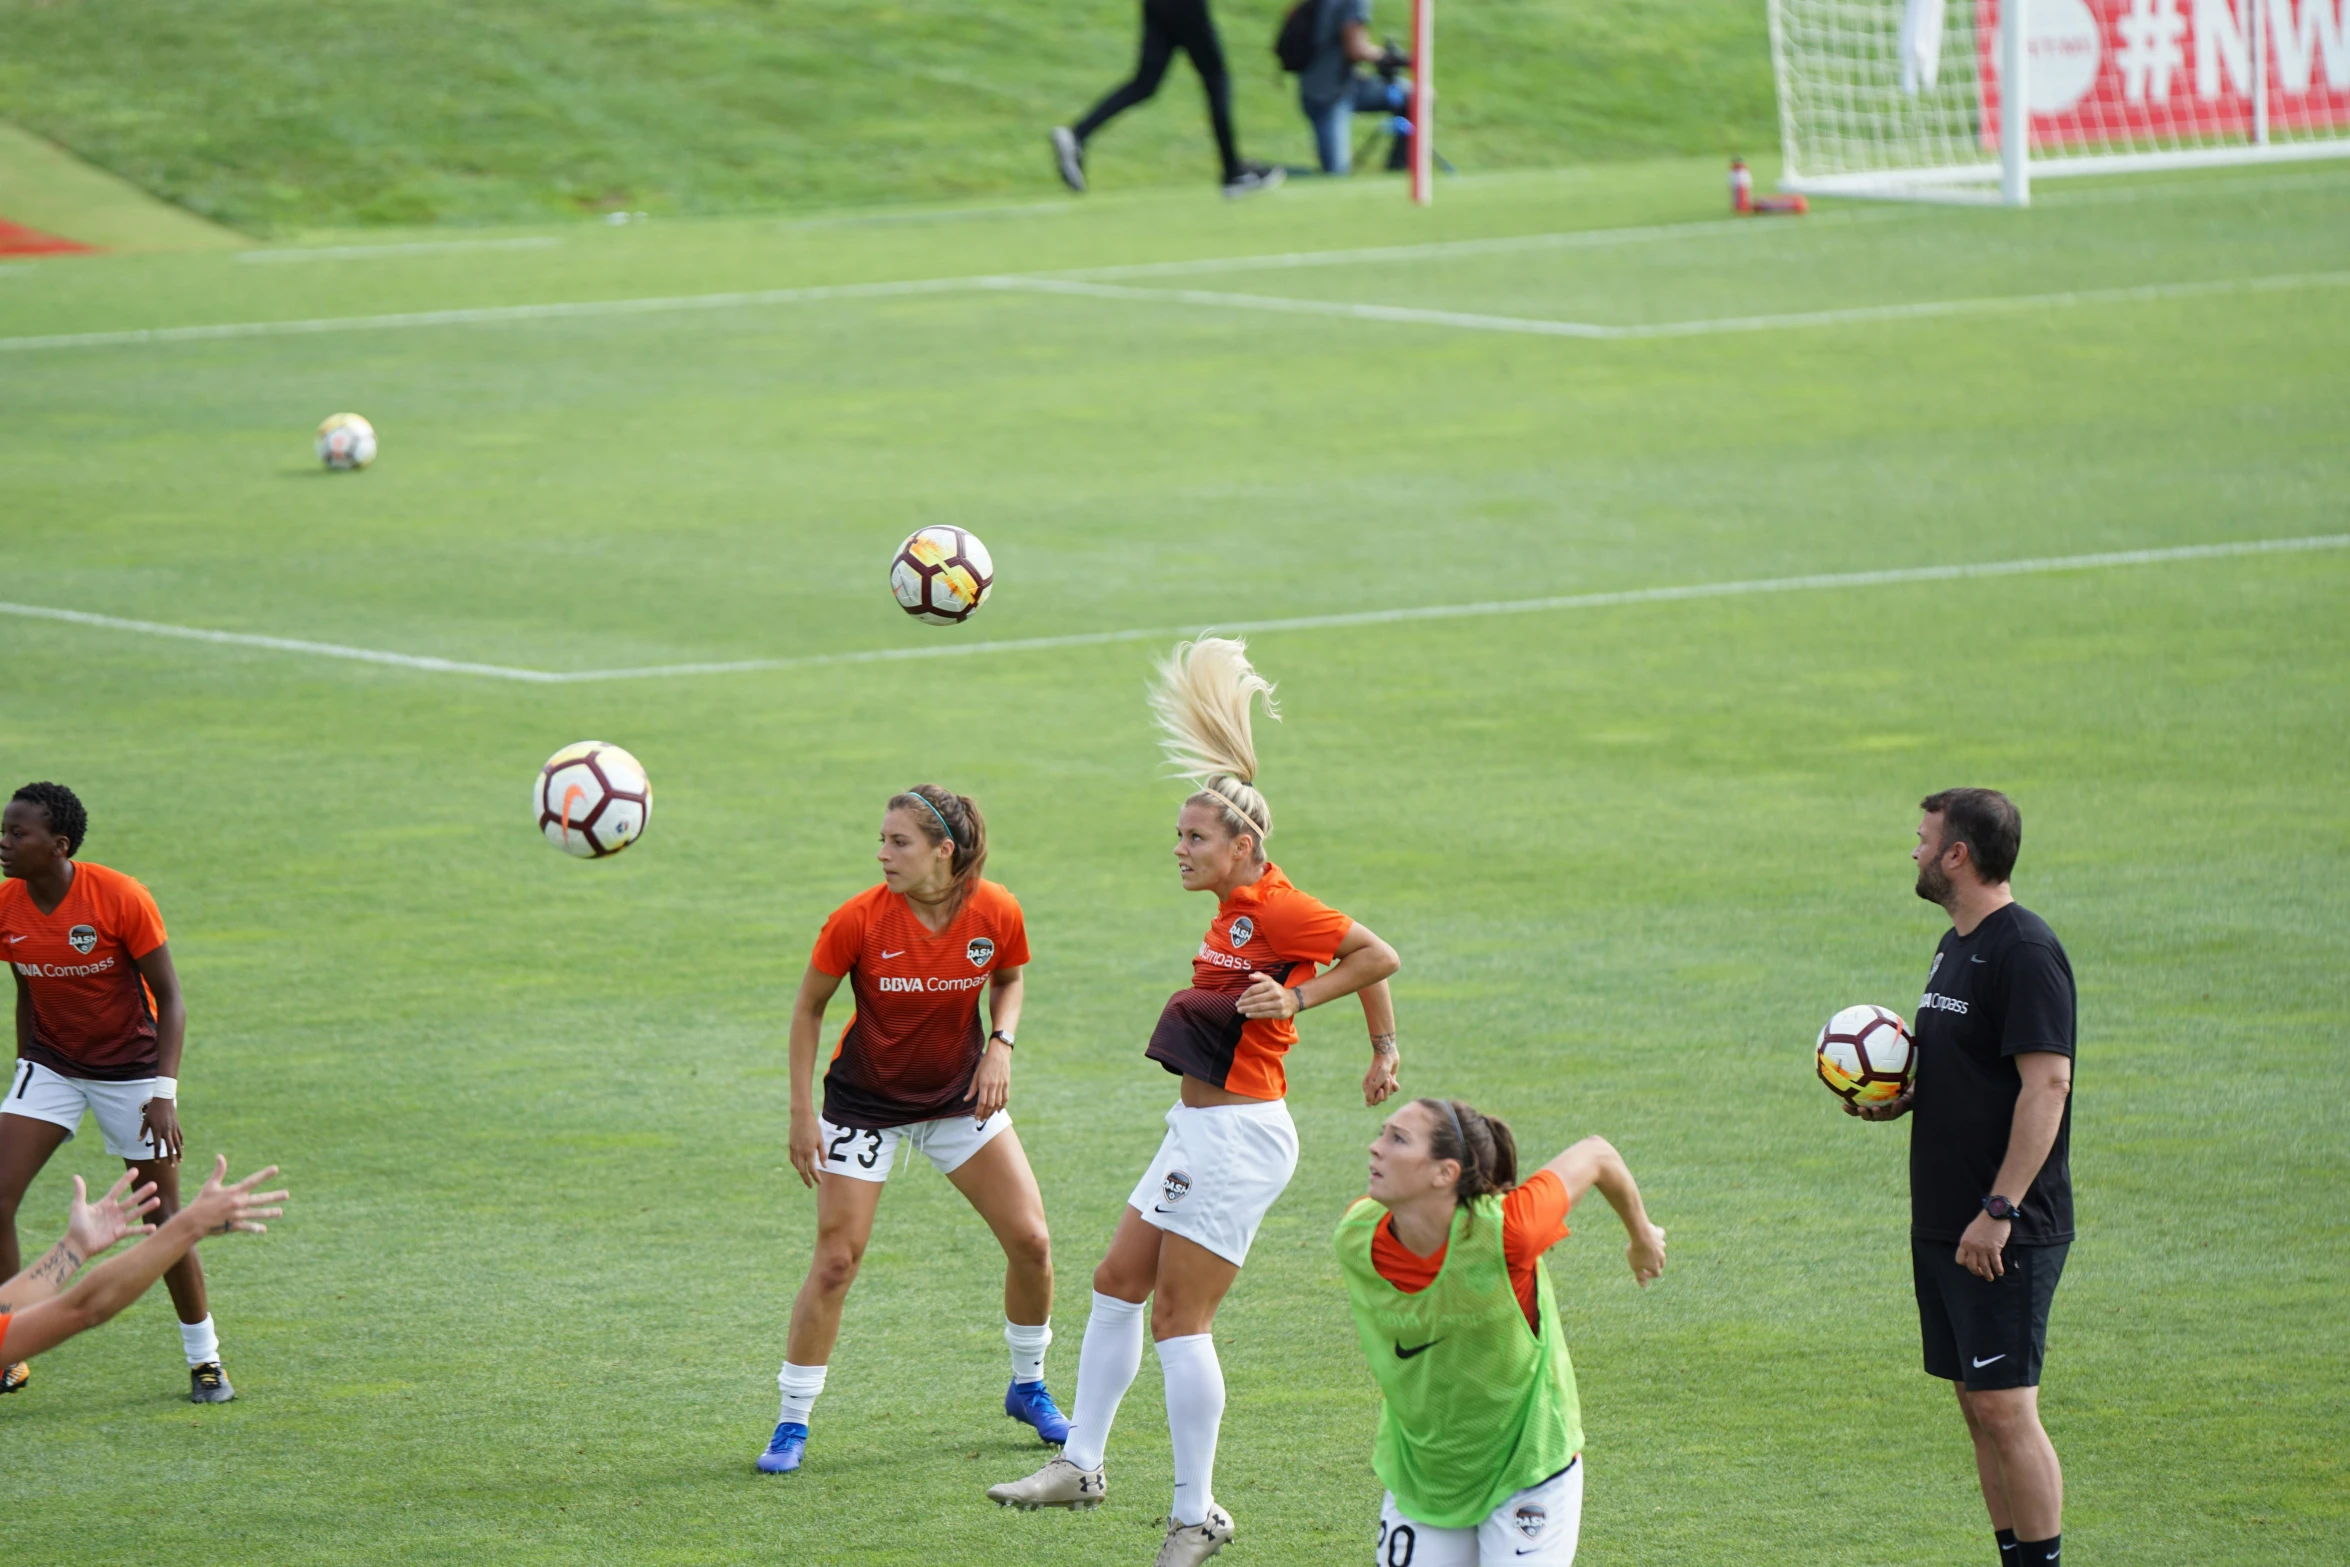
<point>2001,1209</point>
<point>1006,1038</point>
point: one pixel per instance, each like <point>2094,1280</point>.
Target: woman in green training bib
<point>1480,1433</point>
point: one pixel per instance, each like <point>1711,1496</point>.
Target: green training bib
<point>1476,1405</point>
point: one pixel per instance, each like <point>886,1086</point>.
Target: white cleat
<point>1058,1484</point>
<point>1190,1544</point>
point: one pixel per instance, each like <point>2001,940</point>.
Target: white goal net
<point>1907,97</point>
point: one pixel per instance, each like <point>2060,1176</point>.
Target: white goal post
<point>1912,99</point>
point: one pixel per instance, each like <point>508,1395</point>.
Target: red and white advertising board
<point>2171,73</point>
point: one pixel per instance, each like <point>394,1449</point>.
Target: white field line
<point>1535,326</point>
<point>363,655</point>
<point>493,313</point>
<point>2037,566</point>
<point>426,247</point>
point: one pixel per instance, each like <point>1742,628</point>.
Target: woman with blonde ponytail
<point>914,1072</point>
<point>1270,953</point>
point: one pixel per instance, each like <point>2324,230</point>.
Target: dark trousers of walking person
<point>1169,25</point>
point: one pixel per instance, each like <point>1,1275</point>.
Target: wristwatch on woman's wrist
<point>1006,1038</point>
<point>2000,1208</point>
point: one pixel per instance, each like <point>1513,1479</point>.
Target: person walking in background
<point>1330,90</point>
<point>1990,1174</point>
<point>1169,25</point>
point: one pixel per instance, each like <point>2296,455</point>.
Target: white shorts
<point>60,1100</point>
<point>1217,1173</point>
<point>1535,1528</point>
<point>862,1154</point>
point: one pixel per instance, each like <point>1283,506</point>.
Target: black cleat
<point>15,1376</point>
<point>208,1384</point>
<point>1069,157</point>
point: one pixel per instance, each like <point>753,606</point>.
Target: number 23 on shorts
<point>842,1147</point>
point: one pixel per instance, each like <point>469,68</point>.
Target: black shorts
<point>1986,1333</point>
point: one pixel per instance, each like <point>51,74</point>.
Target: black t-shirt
<point>2004,991</point>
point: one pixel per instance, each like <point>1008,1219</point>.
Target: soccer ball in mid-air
<point>942,575</point>
<point>1866,1055</point>
<point>346,442</point>
<point>592,799</point>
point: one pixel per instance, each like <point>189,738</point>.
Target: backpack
<point>1293,45</point>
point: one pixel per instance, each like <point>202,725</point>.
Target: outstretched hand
<point>91,1227</point>
<point>229,1208</point>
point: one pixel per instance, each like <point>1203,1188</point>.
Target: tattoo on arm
<point>1383,1044</point>
<point>58,1266</point>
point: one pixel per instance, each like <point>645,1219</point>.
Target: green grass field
<point>529,1302</point>
<point>275,116</point>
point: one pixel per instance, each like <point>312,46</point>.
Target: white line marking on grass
<point>495,313</point>
<point>419,248</point>
<point>156,628</point>
<point>2037,566</point>
<point>1536,326</point>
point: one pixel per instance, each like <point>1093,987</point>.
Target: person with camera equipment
<point>1323,42</point>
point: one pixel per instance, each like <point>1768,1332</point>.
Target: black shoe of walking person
<point>208,1384</point>
<point>1069,154</point>
<point>1250,178</point>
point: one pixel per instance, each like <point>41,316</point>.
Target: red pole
<point>1423,102</point>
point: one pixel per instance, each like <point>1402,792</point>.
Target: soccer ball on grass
<point>941,575</point>
<point>592,799</point>
<point>1866,1056</point>
<point>346,442</point>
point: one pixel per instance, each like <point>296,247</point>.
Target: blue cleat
<point>1030,1404</point>
<point>783,1455</point>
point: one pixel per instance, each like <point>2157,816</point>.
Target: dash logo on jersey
<point>980,950</point>
<point>1242,929</point>
<point>1530,1520</point>
<point>82,938</point>
<point>1176,1186</point>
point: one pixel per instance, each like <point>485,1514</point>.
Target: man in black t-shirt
<point>1990,1175</point>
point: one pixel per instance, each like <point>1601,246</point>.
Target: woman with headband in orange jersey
<point>1270,953</point>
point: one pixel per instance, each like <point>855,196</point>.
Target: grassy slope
<point>270,115</point>
<point>48,188</point>
<point>529,1306</point>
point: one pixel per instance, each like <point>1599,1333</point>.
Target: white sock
<point>1195,1411</point>
<point>1028,1347</point>
<point>799,1386</point>
<point>201,1340</point>
<point>1106,1364</point>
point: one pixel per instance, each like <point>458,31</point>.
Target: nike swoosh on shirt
<point>13,940</point>
<point>901,952</point>
<point>1975,959</point>
<point>1402,1353</point>
<point>1980,1364</point>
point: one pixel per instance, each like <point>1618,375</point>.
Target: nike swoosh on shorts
<point>1980,1364</point>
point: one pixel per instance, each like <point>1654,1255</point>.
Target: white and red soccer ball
<point>941,574</point>
<point>346,442</point>
<point>1866,1055</point>
<point>592,799</point>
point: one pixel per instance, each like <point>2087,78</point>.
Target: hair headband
<point>1468,1159</point>
<point>1239,809</point>
<point>942,818</point>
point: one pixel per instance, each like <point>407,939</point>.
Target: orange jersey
<point>911,1051</point>
<point>1267,928</point>
<point>1533,1220</point>
<point>92,1014</point>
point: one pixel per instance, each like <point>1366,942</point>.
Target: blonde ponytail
<point>1202,697</point>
